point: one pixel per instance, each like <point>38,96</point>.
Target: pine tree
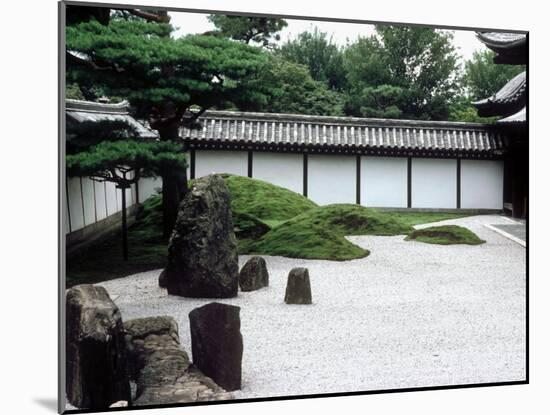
<point>124,163</point>
<point>167,81</point>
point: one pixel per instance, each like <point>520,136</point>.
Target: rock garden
<point>285,297</point>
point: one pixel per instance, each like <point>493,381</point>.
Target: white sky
<point>464,40</point>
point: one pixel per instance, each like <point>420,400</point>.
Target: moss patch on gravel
<point>319,233</point>
<point>445,235</point>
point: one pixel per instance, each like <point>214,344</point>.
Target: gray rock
<point>217,343</point>
<point>96,353</point>
<point>254,275</point>
<point>298,287</point>
<point>161,367</point>
<point>202,254</point>
<point>119,404</point>
<point>162,279</point>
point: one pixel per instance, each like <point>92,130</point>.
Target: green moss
<point>354,220</point>
<point>445,235</point>
<point>297,239</point>
<point>319,233</point>
<point>264,200</point>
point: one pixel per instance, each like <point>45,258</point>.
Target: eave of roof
<point>509,99</point>
<point>88,111</point>
<point>234,129</point>
<point>510,48</point>
<point>518,117</point>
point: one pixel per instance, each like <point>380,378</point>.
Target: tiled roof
<point>230,129</point>
<point>509,99</point>
<point>510,48</point>
<point>502,40</point>
<point>87,111</point>
<point>517,118</point>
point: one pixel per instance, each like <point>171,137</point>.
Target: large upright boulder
<point>96,353</point>
<point>202,258</point>
<point>217,343</point>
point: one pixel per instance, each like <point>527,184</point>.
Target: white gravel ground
<point>409,315</point>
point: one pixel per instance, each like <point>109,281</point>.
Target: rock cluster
<point>202,254</point>
<point>217,343</point>
<point>161,368</point>
<point>254,275</point>
<point>95,349</point>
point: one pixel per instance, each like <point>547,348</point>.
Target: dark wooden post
<point>123,188</point>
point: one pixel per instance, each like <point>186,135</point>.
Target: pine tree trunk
<point>174,184</point>
<point>124,225</point>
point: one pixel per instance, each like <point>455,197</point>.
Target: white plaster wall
<point>148,187</point>
<point>75,203</point>
<point>285,170</point>
<point>211,161</point>
<point>384,181</point>
<point>331,179</point>
<point>100,206</point>
<point>481,184</point>
<point>433,183</point>
<point>111,195</point>
<point>89,201</point>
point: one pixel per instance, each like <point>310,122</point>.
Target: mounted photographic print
<point>261,207</point>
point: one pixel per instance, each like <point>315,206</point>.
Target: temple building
<point>510,103</point>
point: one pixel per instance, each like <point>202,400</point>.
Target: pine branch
<point>90,63</point>
<point>162,17</point>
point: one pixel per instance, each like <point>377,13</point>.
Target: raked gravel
<point>409,315</point>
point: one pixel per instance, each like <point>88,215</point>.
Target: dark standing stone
<point>254,275</point>
<point>96,353</point>
<point>298,288</point>
<point>162,279</point>
<point>217,343</point>
<point>202,254</point>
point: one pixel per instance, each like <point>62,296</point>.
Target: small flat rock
<point>298,287</point>
<point>254,275</point>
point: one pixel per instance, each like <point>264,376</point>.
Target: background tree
<point>248,28</point>
<point>482,78</point>
<point>295,91</point>
<point>421,62</point>
<point>124,163</point>
<point>317,51</point>
<point>168,81</point>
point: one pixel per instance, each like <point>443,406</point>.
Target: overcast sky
<point>465,41</point>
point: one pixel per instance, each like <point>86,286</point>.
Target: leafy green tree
<point>124,163</point>
<point>248,29</point>
<point>168,81</point>
<point>383,101</point>
<point>421,62</point>
<point>295,91</point>
<point>317,51</point>
<point>482,77</point>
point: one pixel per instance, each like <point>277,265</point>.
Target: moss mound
<point>319,233</point>
<point>445,235</point>
<point>353,220</point>
<point>265,201</point>
<point>295,239</point>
